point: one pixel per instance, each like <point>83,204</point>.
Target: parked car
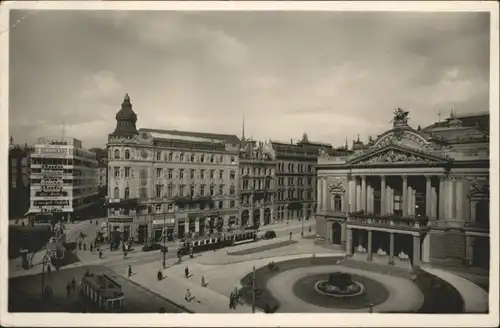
<point>270,234</point>
<point>154,247</point>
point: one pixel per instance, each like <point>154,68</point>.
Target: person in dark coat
<point>100,254</point>
<point>129,271</point>
<point>186,272</point>
<point>73,284</point>
<point>91,247</point>
<point>85,247</point>
<point>80,245</point>
<point>68,289</point>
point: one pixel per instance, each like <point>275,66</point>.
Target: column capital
<point>404,177</point>
<point>428,176</point>
<point>363,178</point>
<point>382,177</point>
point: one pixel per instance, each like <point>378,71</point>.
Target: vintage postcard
<point>237,163</point>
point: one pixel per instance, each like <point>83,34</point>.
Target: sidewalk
<point>15,269</point>
<point>475,298</point>
<point>174,288</point>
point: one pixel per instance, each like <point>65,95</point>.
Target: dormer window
<point>117,154</point>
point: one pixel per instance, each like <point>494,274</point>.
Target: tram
<point>218,241</point>
<point>102,291</point>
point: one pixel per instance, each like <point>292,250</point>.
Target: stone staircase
<point>377,267</point>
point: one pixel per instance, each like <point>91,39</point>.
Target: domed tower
<point>125,120</point>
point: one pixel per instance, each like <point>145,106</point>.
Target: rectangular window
<point>232,204</point>
<point>202,174</point>
<point>212,190</point>
<point>221,174</point>
<point>158,173</point>
<point>232,190</point>
<point>158,208</point>
<point>182,190</point>
<point>159,191</point>
<point>212,173</point>
<point>117,172</point>
<point>170,191</point>
<point>191,174</point>
<point>202,190</point>
<point>232,175</point>
<point>181,173</point>
<point>170,173</point>
<point>221,190</point>
<point>127,172</point>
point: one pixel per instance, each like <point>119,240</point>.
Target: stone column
<point>391,248</point>
<point>428,196</point>
<point>413,201</point>
<point>388,204</point>
<point>197,225</point>
<point>416,252</point>
<point>459,196</point>
<point>469,248</point>
<point>186,227</point>
<point>363,192</point>
<point>343,235</point>
<point>405,195</point>
<point>261,220</point>
<point>450,204</point>
<point>358,197</point>
<point>351,195</point>
<point>410,200</point>
<point>369,246</point>
<point>325,194</point>
<point>434,204</point>
<point>319,196</point>
<point>383,192</point>
<point>349,242</point>
<point>368,198</point>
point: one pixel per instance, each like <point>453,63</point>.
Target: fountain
<point>339,285</point>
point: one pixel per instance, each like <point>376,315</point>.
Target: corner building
<point>414,195</point>
<point>170,182</point>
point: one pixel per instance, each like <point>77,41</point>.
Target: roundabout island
<point>326,284</point>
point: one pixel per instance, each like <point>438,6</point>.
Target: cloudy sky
<point>330,74</point>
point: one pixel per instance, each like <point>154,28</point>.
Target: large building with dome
<point>410,195</point>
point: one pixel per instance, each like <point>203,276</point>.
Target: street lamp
<point>302,227</point>
<point>46,259</point>
<point>253,290</point>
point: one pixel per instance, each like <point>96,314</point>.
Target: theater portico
<point>409,196</point>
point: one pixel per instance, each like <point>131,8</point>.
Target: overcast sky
<point>330,74</point>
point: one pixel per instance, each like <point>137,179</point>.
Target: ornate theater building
<point>410,196</point>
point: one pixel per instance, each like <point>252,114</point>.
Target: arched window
<point>221,159</point>
<point>212,159</point>
<point>127,192</point>
<point>116,193</point>
<point>117,154</point>
<point>127,154</point>
<point>158,156</point>
<point>337,203</point>
<point>181,157</point>
<point>202,158</point>
<point>192,158</point>
<point>170,157</point>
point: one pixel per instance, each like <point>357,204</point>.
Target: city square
<point>217,176</point>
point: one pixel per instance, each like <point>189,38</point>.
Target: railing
<point>391,221</point>
<point>480,226</point>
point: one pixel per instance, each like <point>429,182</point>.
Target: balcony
<point>389,221</point>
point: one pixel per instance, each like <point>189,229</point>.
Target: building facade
<point>19,179</point>
<point>416,195</point>
<point>295,196</point>
<point>168,182</point>
<point>63,179</point>
<point>257,184</point>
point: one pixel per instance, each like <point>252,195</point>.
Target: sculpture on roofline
<point>400,117</point>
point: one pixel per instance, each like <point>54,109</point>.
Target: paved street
<point>24,294</point>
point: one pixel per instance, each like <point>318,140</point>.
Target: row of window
<point>291,181</point>
<point>256,184</point>
<point>181,157</point>
<point>257,171</point>
<point>282,212</point>
<point>192,190</point>
<point>295,194</point>
<point>295,167</point>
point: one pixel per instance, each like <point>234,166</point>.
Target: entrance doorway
<point>267,216</point>
<point>244,218</point>
<point>256,218</point>
<point>481,252</point>
<point>336,233</point>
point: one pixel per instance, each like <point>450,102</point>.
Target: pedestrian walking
<point>186,272</point>
<point>100,254</point>
<point>84,247</point>
<point>73,284</point>
<point>68,289</point>
<point>125,255</point>
<point>91,248</point>
<point>290,235</point>
<point>80,245</point>
<point>188,297</point>
<point>129,271</point>
<point>203,281</point>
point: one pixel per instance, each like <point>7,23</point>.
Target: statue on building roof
<point>400,117</point>
<point>304,138</point>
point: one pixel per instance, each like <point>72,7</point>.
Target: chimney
<point>291,141</point>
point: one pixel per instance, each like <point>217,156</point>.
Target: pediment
<point>396,155</point>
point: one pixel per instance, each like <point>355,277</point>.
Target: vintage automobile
<point>270,234</point>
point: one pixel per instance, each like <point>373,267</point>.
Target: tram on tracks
<point>103,291</point>
<point>217,241</point>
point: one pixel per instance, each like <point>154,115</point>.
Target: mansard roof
<point>166,134</point>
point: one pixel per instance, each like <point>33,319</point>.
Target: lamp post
<point>46,258</point>
<point>164,242</point>
<point>302,228</point>
<point>253,290</point>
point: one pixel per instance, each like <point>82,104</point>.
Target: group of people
<point>93,247</point>
<point>234,298</point>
